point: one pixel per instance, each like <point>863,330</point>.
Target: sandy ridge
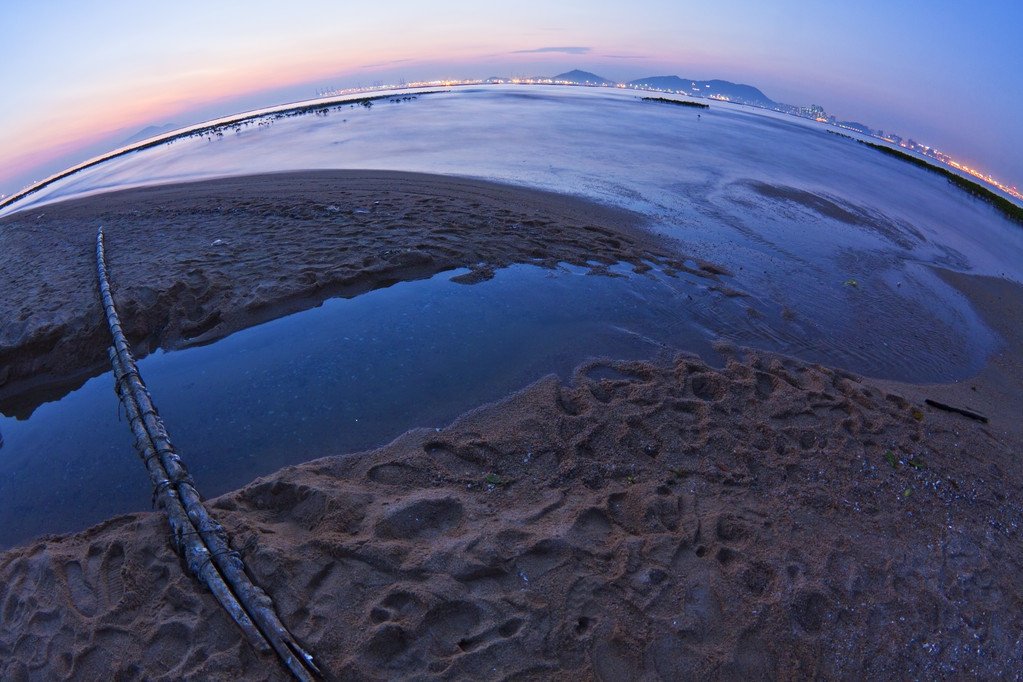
<point>192,263</point>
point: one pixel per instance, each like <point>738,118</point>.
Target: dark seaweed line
<point>1011,210</point>
<point>677,102</point>
<point>207,130</point>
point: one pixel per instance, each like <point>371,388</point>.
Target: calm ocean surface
<point>795,214</point>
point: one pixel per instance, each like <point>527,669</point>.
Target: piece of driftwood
<point>958,410</point>
<point>197,536</point>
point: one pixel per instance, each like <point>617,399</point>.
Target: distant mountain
<point>582,78</point>
<point>151,131</point>
<point>733,92</point>
<point>716,89</point>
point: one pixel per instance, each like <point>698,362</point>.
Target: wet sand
<point>646,520</point>
<point>192,263</point>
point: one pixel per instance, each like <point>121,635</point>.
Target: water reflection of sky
<point>343,377</point>
<point>829,245</point>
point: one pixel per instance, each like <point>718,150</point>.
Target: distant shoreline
<point>1009,208</point>
<point>207,128</point>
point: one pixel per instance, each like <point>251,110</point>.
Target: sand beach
<point>758,517</point>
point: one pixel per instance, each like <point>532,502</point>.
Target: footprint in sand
<point>34,635</point>
<point>420,519</point>
<point>96,587</point>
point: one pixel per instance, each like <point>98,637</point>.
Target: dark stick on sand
<point>957,410</point>
<point>200,540</point>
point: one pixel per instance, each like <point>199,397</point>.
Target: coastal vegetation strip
<point>1012,211</point>
<point>677,102</point>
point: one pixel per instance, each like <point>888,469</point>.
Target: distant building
<point>814,111</point>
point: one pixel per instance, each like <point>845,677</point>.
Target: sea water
<point>829,248</point>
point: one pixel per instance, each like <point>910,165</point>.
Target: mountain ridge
<point>582,78</point>
<point>715,89</point>
<point>148,132</point>
<point>712,89</point>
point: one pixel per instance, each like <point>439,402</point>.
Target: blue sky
<point>78,78</point>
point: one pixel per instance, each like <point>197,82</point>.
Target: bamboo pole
<point>198,537</point>
<point>187,541</point>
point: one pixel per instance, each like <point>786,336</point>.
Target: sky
<point>79,78</point>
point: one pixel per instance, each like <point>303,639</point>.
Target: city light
<point>813,113</point>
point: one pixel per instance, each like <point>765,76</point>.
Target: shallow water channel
<point>353,374</point>
<point>349,375</point>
